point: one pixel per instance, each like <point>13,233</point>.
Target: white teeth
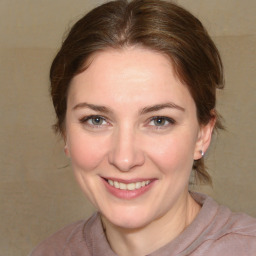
<point>116,184</point>
<point>122,186</point>
<point>138,185</point>
<point>130,186</point>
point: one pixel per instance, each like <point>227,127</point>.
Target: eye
<point>161,121</point>
<point>97,120</point>
<point>94,121</point>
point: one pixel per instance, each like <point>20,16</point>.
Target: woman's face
<point>132,134</point>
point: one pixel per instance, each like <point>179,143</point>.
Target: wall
<point>38,193</point>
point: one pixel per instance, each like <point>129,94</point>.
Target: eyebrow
<point>160,107</point>
<point>143,111</point>
<point>93,107</point>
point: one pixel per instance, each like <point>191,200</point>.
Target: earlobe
<point>202,153</point>
<point>66,151</point>
<point>204,139</point>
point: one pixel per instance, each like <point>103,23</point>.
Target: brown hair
<point>153,24</point>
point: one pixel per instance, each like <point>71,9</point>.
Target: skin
<point>119,88</point>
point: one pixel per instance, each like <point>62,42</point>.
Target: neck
<point>145,240</point>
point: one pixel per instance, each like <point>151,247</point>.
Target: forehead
<point>127,60</point>
<point>131,72</point>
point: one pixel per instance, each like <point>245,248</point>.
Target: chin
<point>128,220</point>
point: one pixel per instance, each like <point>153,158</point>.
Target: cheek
<point>174,153</point>
<point>86,152</point>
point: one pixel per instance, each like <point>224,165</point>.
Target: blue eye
<point>97,120</point>
<point>94,120</point>
<point>160,121</point>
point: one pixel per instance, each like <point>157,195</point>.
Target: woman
<point>134,88</point>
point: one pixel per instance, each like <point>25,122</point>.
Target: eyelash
<point>170,121</point>
<point>85,120</point>
<point>162,118</point>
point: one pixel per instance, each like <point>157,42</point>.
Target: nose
<point>125,153</point>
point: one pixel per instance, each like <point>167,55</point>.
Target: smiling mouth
<point>130,186</point>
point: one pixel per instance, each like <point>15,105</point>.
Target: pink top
<point>215,231</point>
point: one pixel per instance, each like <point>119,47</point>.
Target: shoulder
<point>237,231</point>
<point>65,241</point>
<point>234,235</point>
<point>227,232</point>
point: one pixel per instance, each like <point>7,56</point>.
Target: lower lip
<point>128,194</point>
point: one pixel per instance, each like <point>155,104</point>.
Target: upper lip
<point>127,181</point>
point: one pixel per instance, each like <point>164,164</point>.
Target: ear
<point>204,138</point>
<point>66,151</point>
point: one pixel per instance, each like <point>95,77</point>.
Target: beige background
<point>38,194</point>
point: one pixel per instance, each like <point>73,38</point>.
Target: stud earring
<point>202,153</point>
